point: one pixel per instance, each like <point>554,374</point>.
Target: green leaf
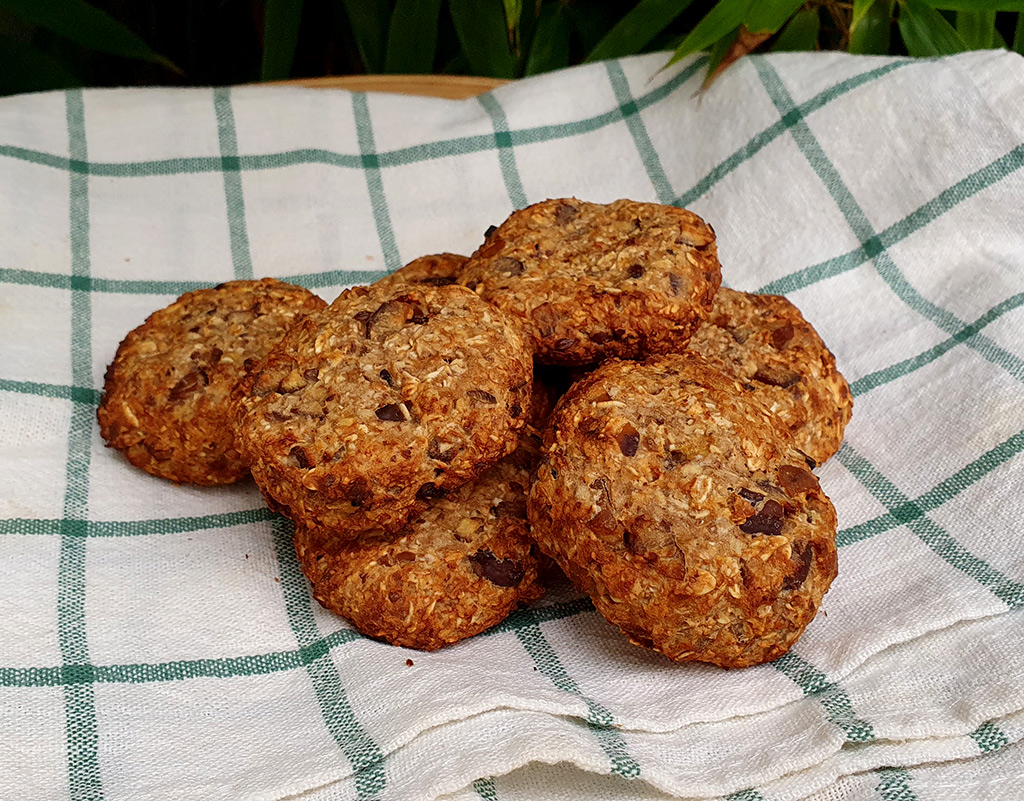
<point>281,20</point>
<point>481,28</point>
<point>87,26</point>
<point>977,28</point>
<point>767,16</point>
<point>926,32</point>
<point>871,29</point>
<point>412,40</point>
<point>550,47</point>
<point>801,34</point>
<point>977,5</point>
<point>369,19</point>
<point>24,68</point>
<point>634,31</point>
<point>717,53</point>
<point>1018,36</point>
<point>726,16</point>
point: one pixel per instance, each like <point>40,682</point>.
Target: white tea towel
<point>160,641</point>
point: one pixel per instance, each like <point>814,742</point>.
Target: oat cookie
<point>671,495</point>
<point>438,269</point>
<point>166,396</point>
<point>382,401</point>
<point>456,568</point>
<point>764,340</point>
<point>588,281</point>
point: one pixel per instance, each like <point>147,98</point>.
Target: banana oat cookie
<point>166,396</point>
<point>588,281</point>
<point>671,495</point>
<point>457,567</point>
<point>438,269</point>
<point>765,341</point>
<point>383,400</point>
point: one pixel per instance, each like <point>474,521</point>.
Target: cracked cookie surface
<point>437,269</point>
<point>764,340</point>
<point>588,281</point>
<point>382,401</point>
<point>458,566</point>
<point>167,394</point>
<point>672,497</point>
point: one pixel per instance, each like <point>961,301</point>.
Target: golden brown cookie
<point>381,401</point>
<point>764,340</point>
<point>456,568</point>
<point>166,396</point>
<point>588,281</point>
<point>438,269</point>
<point>671,495</point>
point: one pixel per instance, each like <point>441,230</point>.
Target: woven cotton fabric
<point>159,641</point>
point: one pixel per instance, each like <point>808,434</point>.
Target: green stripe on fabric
<point>833,698</point>
<point>506,153</point>
<point>521,618</point>
<point>250,665</point>
<point>227,137</point>
<point>948,199</point>
<point>858,221</point>
<point>943,492</point>
<point>486,789</point>
<point>889,374</point>
<point>375,182</point>
<point>86,395</point>
<point>914,514</point>
<point>408,155</point>
<point>180,670</point>
<point>363,754</point>
<point>600,721</point>
<point>894,785</point>
<point>136,528</point>
<point>82,739</point>
<point>35,157</point>
<point>173,288</point>
<point>775,130</point>
<point>9,275</point>
<point>989,737</point>
<point>638,131</point>
<point>749,794</point>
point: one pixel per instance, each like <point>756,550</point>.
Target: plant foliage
<point>50,44</point>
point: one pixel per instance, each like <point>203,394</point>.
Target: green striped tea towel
<point>159,641</point>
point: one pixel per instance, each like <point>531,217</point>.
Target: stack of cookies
<point>410,431</point>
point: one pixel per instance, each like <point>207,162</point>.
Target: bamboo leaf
<point>24,68</point>
<point>871,29</point>
<point>739,45</point>
<point>926,32</point>
<point>716,55</point>
<point>860,8</point>
<point>87,26</point>
<point>976,5</point>
<point>369,19</point>
<point>513,17</point>
<point>638,28</point>
<point>483,34</point>
<point>726,16</point>
<point>1018,36</point>
<point>412,40</point>
<point>801,34</point>
<point>281,19</point>
<point>550,47</point>
<point>767,16</point>
<point>977,28</point>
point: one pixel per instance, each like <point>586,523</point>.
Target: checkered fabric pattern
<point>159,641</point>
